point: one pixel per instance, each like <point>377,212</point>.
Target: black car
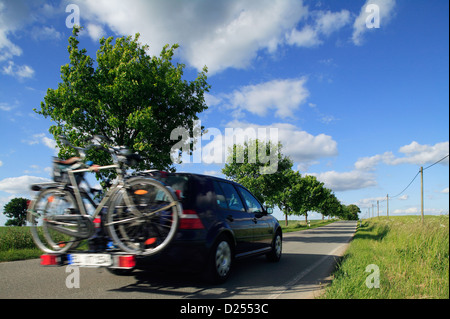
<point>221,221</point>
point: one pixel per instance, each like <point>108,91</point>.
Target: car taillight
<point>190,220</point>
<point>128,261</point>
<point>123,261</point>
<point>51,260</point>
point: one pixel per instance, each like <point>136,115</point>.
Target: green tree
<point>248,165</point>
<point>329,204</point>
<point>313,196</point>
<point>352,212</point>
<point>127,96</point>
<point>291,198</point>
<point>16,210</point>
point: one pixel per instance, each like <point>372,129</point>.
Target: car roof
<point>205,176</point>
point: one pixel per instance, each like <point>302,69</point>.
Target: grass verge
<point>395,258</point>
<point>16,244</point>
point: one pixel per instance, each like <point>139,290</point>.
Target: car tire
<point>220,261</point>
<point>277,246</point>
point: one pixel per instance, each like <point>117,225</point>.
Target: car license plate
<point>90,260</point>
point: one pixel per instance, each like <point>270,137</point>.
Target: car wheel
<point>277,245</point>
<point>220,261</point>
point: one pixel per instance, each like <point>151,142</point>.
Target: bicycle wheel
<point>48,204</point>
<point>143,217</point>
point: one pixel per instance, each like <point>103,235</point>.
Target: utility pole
<point>421,191</point>
<point>378,208</point>
<point>387,209</point>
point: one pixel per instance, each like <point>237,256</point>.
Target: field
<point>16,244</point>
<point>395,258</point>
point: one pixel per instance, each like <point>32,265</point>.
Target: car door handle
<point>230,218</point>
<point>255,220</point>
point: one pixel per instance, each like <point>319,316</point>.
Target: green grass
<point>296,225</point>
<point>16,244</point>
<point>413,260</point>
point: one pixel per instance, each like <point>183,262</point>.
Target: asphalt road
<point>308,259</point>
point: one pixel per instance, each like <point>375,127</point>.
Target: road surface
<point>308,259</point>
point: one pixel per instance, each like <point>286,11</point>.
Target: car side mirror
<point>269,210</point>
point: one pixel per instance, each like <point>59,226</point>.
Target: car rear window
<point>180,184</point>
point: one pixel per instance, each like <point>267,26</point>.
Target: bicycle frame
<point>116,186</point>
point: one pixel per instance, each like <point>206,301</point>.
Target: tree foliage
<point>127,96</point>
<point>287,189</point>
<point>352,212</point>
<point>16,210</point>
<point>248,164</point>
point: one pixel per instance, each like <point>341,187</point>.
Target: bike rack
<point>120,260</point>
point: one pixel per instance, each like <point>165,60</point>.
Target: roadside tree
<point>246,165</point>
<point>16,210</point>
<point>131,98</point>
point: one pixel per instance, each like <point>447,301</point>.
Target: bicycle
<point>142,214</point>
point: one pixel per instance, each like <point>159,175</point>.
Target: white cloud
<point>368,202</point>
<point>415,153</point>
<point>46,32</point>
<point>325,24</point>
<point>6,107</point>
<point>307,37</point>
<point>302,147</point>
<point>18,71</point>
<point>15,15</point>
<point>362,176</point>
<point>329,22</point>
<point>20,185</point>
<point>7,48</point>
<point>95,31</point>
<point>219,34</point>
<point>444,191</point>
<point>386,11</point>
<point>282,96</point>
<point>423,154</point>
<point>12,15</point>
<point>41,139</point>
<point>344,181</point>
<point>369,163</point>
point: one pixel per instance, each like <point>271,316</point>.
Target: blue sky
<point>360,108</point>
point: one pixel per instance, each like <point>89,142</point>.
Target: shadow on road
<point>297,272</point>
<point>250,278</point>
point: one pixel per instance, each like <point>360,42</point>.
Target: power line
<point>417,175</point>
<point>406,186</point>
<point>420,171</point>
<point>436,162</point>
